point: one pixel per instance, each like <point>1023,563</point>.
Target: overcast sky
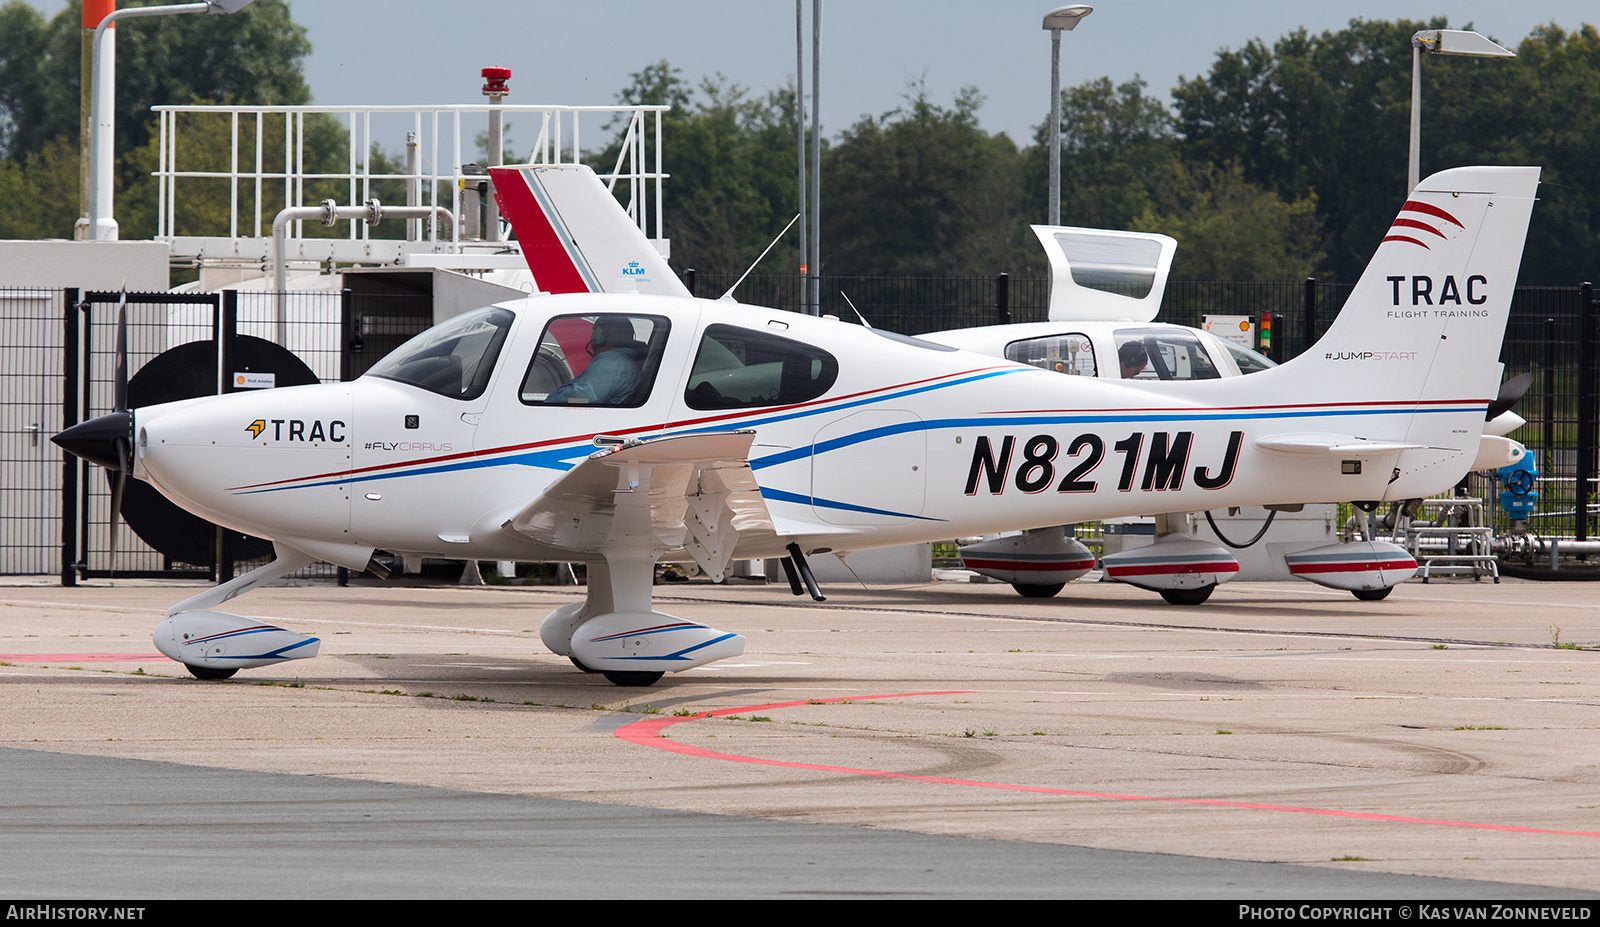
<point>580,53</point>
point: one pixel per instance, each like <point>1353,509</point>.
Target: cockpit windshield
<point>453,358</point>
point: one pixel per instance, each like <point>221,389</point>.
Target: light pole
<point>102,225</point>
<point>1059,19</point>
<point>1439,42</point>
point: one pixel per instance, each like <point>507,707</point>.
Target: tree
<point>923,191</point>
<point>252,55</point>
<point>1542,107</point>
<point>731,157</point>
<point>1230,229</point>
<point>40,193</point>
<point>1116,142</point>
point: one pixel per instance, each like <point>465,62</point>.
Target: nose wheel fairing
<point>223,641</point>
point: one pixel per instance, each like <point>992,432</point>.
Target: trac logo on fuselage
<point>1165,467</point>
<point>296,429</point>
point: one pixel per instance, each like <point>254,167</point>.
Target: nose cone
<point>96,440</point>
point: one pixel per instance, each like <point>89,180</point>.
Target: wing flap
<point>694,492</point>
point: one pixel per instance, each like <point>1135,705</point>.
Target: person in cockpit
<point>613,374</point>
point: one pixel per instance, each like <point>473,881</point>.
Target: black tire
<point>1188,596</point>
<point>209,672</point>
<point>634,679</point>
<point>1038,590</point>
<point>1373,595</point>
<point>579,664</point>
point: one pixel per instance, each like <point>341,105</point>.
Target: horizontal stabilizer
<point>1331,445</point>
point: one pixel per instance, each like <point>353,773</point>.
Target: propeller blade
<point>117,487</point>
<point>1510,391</point>
<point>121,375</point>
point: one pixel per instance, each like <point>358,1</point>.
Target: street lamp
<point>1439,42</point>
<point>1059,19</point>
<point>102,226</point>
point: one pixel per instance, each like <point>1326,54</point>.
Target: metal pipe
<point>1533,545</point>
<point>815,264</point>
<point>1414,155</point>
<point>102,226</point>
<point>800,133</point>
<point>1055,126</point>
<point>329,213</point>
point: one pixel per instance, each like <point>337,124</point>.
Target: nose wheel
<point>209,672</point>
<point>631,679</point>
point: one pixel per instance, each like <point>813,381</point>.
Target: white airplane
<point>1106,288</point>
<point>619,429</point>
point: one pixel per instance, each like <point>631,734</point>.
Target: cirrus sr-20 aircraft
<point>619,429</point>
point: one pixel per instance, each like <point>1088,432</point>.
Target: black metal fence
<point>56,356</point>
<point>32,381</point>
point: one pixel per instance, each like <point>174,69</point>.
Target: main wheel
<point>1372,595</point>
<point>631,678</point>
<point>1188,596</point>
<point>209,672</point>
<point>579,664</point>
<point>1037,590</point>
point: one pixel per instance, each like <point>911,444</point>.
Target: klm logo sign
<point>633,270</point>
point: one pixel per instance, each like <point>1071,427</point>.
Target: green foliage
<point>40,193</point>
<point>251,55</point>
<point>1330,115</point>
<point>1326,114</point>
<point>1117,143</point>
<point>1230,229</point>
<point>732,160</point>
<point>923,191</point>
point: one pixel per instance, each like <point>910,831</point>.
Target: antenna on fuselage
<point>856,311</point>
<point>729,294</point>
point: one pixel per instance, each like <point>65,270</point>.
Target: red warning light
<point>494,82</point>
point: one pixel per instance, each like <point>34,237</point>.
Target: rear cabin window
<point>1249,361</point>
<point>1071,354</point>
<point>736,368</point>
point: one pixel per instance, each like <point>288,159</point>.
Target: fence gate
<point>32,384</point>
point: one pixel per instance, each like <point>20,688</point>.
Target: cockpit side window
<point>454,358</point>
<point>1163,354</point>
<point>598,359</point>
<point>736,368</point>
<point>1070,354</point>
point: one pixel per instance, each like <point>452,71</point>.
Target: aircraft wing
<point>694,492</point>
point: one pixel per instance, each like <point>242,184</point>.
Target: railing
<point>262,157</point>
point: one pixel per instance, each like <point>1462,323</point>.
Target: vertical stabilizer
<point>574,234</point>
<point>1420,334</point>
